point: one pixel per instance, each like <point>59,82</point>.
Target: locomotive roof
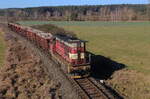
<point>68,39</point>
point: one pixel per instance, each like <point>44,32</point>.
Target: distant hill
<point>138,12</point>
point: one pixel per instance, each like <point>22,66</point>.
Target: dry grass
<point>131,84</point>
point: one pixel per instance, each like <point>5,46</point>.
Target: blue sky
<point>35,3</point>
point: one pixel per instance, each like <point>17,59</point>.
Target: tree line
<point>138,12</point>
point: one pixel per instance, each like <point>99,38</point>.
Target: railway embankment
<point>25,75</point>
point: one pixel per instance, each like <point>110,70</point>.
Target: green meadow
<point>125,42</point>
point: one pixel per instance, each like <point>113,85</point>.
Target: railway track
<point>87,88</point>
<point>90,89</point>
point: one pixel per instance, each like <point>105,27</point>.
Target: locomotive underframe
<point>72,71</point>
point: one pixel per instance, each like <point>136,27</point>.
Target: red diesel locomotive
<point>68,51</point>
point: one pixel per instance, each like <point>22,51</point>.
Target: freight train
<point>66,50</point>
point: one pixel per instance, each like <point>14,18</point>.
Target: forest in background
<point>128,12</point>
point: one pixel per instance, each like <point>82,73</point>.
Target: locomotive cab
<point>73,51</point>
<point>79,59</point>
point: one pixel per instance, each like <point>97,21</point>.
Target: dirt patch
<point>23,75</point>
<point>131,84</point>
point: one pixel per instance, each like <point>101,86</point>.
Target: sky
<point>36,3</point>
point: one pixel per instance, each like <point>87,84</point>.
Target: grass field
<point>124,42</point>
<point>2,49</point>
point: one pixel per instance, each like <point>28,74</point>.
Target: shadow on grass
<point>103,67</point>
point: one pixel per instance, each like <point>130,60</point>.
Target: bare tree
<point>35,15</point>
<point>48,14</point>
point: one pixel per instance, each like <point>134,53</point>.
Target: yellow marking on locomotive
<point>75,77</point>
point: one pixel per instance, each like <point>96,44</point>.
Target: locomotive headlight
<point>82,55</point>
<point>82,44</point>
